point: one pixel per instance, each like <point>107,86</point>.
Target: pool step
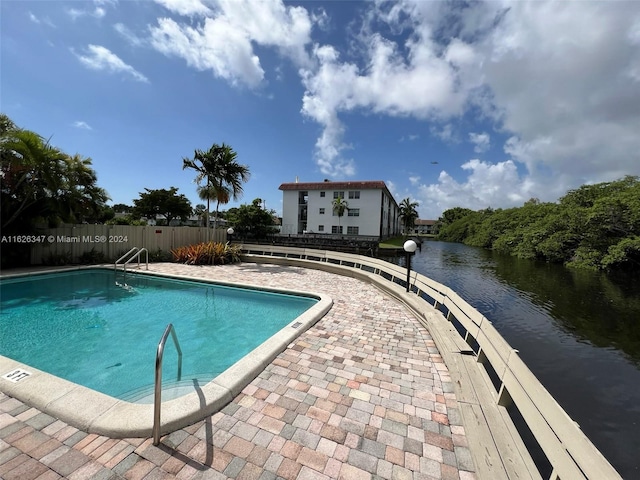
<point>170,390</point>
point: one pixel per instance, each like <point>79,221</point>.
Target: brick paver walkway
<point>363,394</point>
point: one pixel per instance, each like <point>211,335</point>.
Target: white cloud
<point>216,46</point>
<point>423,83</point>
<point>320,18</point>
<point>446,133</point>
<point>563,75</point>
<point>82,125</point>
<point>633,34</point>
<point>74,13</point>
<point>44,20</point>
<point>185,7</point>
<point>223,40</point>
<point>322,107</point>
<point>482,141</point>
<point>414,180</point>
<point>393,189</point>
<point>409,138</point>
<point>97,12</point>
<point>100,58</point>
<point>270,23</point>
<point>128,35</point>
<point>94,9</point>
<point>487,185</point>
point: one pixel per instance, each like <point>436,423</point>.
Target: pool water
<point>100,329</point>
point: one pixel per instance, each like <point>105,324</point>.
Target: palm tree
<point>339,207</point>
<point>203,158</point>
<point>32,175</point>
<point>200,211</point>
<point>79,198</point>
<point>408,214</point>
<point>211,192</point>
<point>224,175</point>
<point>40,182</point>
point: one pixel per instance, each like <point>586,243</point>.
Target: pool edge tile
<point>80,406</point>
<point>39,389</point>
<point>240,374</point>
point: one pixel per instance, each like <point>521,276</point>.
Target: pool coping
<point>96,412</point>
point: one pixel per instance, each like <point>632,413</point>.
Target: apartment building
<point>307,207</point>
<point>426,227</point>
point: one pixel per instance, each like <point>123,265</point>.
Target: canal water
<point>578,332</point>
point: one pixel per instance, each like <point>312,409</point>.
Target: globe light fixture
<point>409,247</point>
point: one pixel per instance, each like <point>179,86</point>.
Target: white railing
<point>474,353</point>
<point>126,255</point>
<point>157,390</point>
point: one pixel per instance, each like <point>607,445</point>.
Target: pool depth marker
<point>16,375</point>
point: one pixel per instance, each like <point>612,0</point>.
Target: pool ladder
<point>138,252</point>
<point>157,397</point>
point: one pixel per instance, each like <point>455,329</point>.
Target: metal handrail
<point>115,265</point>
<point>137,255</point>
<point>157,398</point>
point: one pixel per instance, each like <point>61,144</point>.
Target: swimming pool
<point>101,330</point>
<point>97,329</point>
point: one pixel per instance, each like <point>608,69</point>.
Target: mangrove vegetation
<point>594,226</point>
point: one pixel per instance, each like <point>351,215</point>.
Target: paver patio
<point>363,394</point>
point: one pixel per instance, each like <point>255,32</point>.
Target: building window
<point>338,195</point>
<point>321,211</point>
<point>336,229</point>
<point>321,228</point>
<point>355,194</point>
<point>352,230</point>
<point>322,194</point>
<point>354,212</point>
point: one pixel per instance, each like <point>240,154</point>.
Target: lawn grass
<point>395,242</point>
<point>398,242</point>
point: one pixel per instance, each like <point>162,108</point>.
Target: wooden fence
<point>66,244</point>
<point>489,377</point>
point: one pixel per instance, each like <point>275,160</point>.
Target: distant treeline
<point>594,226</point>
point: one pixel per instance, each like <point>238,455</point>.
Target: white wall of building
<point>289,212</point>
<point>371,211</point>
<point>363,213</point>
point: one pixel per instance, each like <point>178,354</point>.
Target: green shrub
<point>586,258</point>
<point>160,256</point>
<point>624,254</point>
<point>210,253</point>
<point>92,257</point>
<point>57,259</point>
<point>128,220</point>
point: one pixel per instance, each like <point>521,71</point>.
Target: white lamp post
<point>229,231</point>
<point>409,247</point>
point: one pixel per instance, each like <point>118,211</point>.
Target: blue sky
<point>474,104</point>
